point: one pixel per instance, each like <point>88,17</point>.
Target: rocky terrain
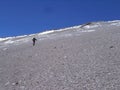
<point>84,57</point>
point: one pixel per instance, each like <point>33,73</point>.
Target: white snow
<point>2,39</point>
<point>88,30</point>
<point>47,34</point>
<point>90,26</point>
<point>9,41</point>
<point>116,24</point>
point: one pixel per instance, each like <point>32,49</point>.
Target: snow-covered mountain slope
<point>76,30</point>
<point>84,57</point>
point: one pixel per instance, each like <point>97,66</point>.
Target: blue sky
<point>21,17</point>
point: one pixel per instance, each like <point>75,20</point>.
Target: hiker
<point>34,39</point>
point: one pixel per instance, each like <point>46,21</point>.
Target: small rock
<point>55,47</point>
<point>15,83</point>
<point>111,46</point>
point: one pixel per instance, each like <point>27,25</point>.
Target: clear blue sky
<point>20,17</point>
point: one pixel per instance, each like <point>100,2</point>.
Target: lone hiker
<point>34,39</point>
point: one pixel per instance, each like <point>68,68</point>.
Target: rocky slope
<point>85,57</point>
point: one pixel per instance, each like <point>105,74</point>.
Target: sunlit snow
<point>90,27</point>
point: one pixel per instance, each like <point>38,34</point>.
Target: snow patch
<point>22,40</point>
<point>9,42</point>
<point>46,32</point>
<point>21,36</point>
<point>88,30</point>
<point>114,21</point>
<point>59,30</point>
<point>2,39</point>
<point>116,24</point>
<point>7,38</point>
<point>90,26</point>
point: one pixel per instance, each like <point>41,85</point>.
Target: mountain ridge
<point>83,28</point>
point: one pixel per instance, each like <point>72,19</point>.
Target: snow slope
<point>84,57</point>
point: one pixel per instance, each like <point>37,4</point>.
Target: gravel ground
<point>77,61</point>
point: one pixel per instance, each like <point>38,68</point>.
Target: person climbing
<point>34,39</point>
